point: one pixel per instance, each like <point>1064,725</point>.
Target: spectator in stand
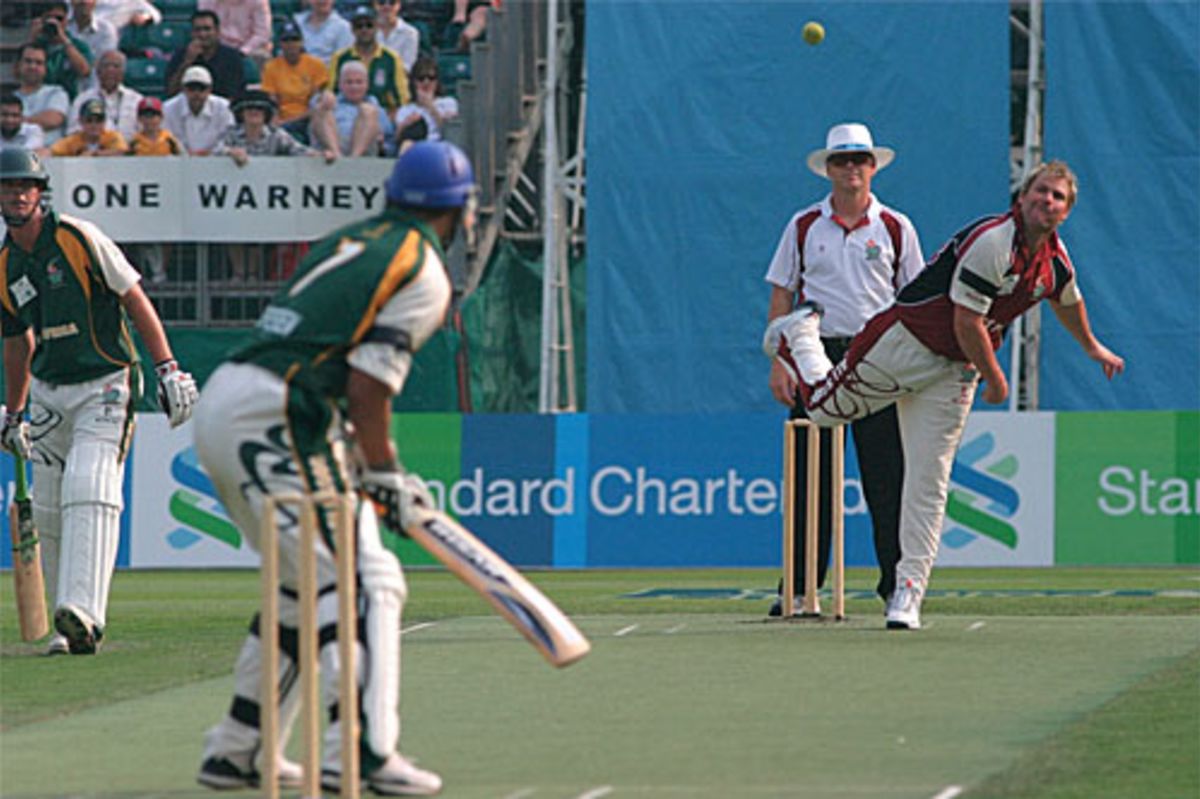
<point>99,35</point>
<point>245,26</point>
<point>387,78</point>
<point>152,139</point>
<point>396,34</point>
<point>94,138</point>
<point>14,130</point>
<point>197,117</point>
<point>423,118</point>
<point>122,13</point>
<point>293,79</point>
<point>224,63</point>
<point>68,59</point>
<point>352,123</point>
<point>120,101</point>
<point>45,104</point>
<point>325,30</point>
<point>254,135</point>
<point>468,23</point>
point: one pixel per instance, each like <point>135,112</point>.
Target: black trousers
<point>881,466</point>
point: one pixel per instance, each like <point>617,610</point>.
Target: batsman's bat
<point>27,562</point>
<point>518,600</point>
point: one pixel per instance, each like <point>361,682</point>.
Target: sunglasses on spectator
<point>93,118</point>
<point>149,112</point>
<point>195,87</point>
<point>425,77</point>
<point>841,159</point>
<point>365,23</point>
<point>386,2</point>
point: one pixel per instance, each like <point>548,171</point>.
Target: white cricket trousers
<point>933,395</point>
<point>81,434</point>
<point>249,446</point>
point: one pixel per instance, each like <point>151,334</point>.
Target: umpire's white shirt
<point>854,273</point>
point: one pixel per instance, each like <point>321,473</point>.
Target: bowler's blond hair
<point>1055,169</point>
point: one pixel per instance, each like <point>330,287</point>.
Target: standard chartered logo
<point>195,506</point>
<point>982,499</point>
<point>612,490</point>
<point>1124,491</point>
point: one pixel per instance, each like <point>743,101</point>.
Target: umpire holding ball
<point>67,295</point>
<point>305,407</point>
<point>851,254</point>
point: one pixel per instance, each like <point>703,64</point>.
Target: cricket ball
<point>813,33</point>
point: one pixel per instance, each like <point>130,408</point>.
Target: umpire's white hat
<point>849,137</point>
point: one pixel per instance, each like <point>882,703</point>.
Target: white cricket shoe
<point>904,608</point>
<point>398,776</point>
<point>58,645</point>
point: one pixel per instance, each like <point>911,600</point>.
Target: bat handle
<point>22,491</point>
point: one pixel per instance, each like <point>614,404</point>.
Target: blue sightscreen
<point>700,116</point>
<point>1123,108</point>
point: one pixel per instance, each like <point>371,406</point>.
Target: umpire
<point>851,254</point>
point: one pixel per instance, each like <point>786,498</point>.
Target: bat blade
<point>27,564</point>
<point>519,601</point>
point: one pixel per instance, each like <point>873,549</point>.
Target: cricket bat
<point>27,562</point>
<point>529,610</point>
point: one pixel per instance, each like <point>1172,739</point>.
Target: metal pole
<point>548,382</point>
<point>1026,330</point>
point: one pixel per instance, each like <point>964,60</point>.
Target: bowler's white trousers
<point>886,364</point>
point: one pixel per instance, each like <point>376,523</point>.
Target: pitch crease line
<point>674,629</point>
<point>949,792</point>
<point>624,631</point>
<point>596,793</point>
<point>976,626</point>
<point>416,627</point>
<point>522,793</point>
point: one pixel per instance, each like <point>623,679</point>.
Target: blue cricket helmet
<point>431,174</point>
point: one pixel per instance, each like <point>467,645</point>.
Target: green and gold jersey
<point>68,289</point>
<point>332,304</point>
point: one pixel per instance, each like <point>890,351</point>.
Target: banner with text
<point>692,490</point>
<point>214,200</point>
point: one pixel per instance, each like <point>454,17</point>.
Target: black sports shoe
<point>82,637</point>
<point>221,774</point>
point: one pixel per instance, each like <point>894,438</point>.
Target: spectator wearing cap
<point>120,101</point>
<point>245,26</point>
<point>68,59</point>
<point>94,138</point>
<point>44,104</point>
<point>387,77</point>
<point>99,35</point>
<point>14,130</point>
<point>293,79</point>
<point>396,34</point>
<point>197,117</point>
<point>225,64</point>
<point>152,138</point>
<point>254,134</point>
<point>325,30</point>
<point>352,122</point>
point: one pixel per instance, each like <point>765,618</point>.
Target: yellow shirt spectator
<point>387,78</point>
<point>164,143</point>
<point>109,142</point>
<point>293,84</point>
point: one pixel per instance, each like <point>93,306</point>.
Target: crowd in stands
<point>243,78</point>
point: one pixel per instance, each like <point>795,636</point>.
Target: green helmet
<point>17,163</point>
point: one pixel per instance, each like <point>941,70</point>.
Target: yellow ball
<point>814,32</point>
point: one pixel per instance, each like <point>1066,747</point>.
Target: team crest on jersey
<point>54,274</point>
<point>874,251</point>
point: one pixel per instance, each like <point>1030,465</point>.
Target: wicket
<point>812,518</point>
<point>341,508</point>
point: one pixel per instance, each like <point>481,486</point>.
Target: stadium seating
<point>147,75</point>
<point>453,67</point>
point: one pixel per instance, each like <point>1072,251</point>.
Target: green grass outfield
<point>1025,683</point>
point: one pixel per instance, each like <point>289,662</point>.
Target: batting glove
<point>14,437</point>
<point>177,393</point>
<point>396,494</point>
